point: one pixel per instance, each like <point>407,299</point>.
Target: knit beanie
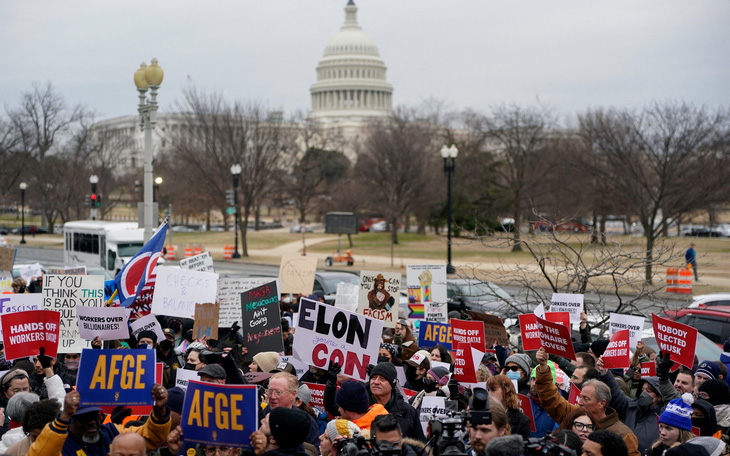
<point>708,369</point>
<point>714,446</point>
<point>387,371</point>
<point>267,361</point>
<point>289,426</point>
<point>175,399</point>
<point>353,397</point>
<point>679,413</point>
<point>686,449</point>
<point>521,360</point>
<point>718,391</point>
<point>304,394</point>
<point>148,334</point>
<point>438,372</point>
<point>599,346</point>
<point>340,427</point>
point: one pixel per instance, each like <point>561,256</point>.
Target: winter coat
<point>519,423</point>
<point>410,423</point>
<point>722,412</point>
<point>543,422</point>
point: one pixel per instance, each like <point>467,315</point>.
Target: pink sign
<point>617,352</point>
<point>555,338</point>
<point>24,333</point>
<point>674,338</point>
<point>529,332</point>
<point>466,334</point>
<point>648,369</point>
<point>574,396</point>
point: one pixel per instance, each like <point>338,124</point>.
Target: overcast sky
<point>570,55</point>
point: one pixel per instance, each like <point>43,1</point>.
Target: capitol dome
<point>351,81</point>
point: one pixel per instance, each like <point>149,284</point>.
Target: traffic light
<point>230,197</point>
<point>98,200</point>
<point>87,200</point>
<point>94,200</point>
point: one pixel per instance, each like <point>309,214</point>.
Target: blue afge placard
<point>221,415</point>
<point>431,334</point>
<point>116,377</point>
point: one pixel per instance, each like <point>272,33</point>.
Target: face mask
<point>166,345</point>
<point>513,375</point>
<point>700,422</point>
<point>189,367</point>
<point>175,326</point>
<point>644,399</point>
<point>72,364</point>
<point>429,385</point>
<point>383,359</point>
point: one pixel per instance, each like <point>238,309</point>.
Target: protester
<point>705,419</point>
<point>287,336</point>
<point>36,416</point>
<point>568,439</point>
<point>192,358</point>
<point>45,381</point>
<point>501,388</point>
<point>16,406</point>
<point>405,340</point>
<point>481,434</point>
<point>386,428</point>
<point>717,393</point>
<point>128,444</point>
<point>416,369</point>
<point>714,446</point>
<point>431,386</point>
<point>605,443</point>
<point>707,370</point>
<point>289,429</point>
<point>313,375</point>
<point>264,362</point>
<point>389,353</point>
<point>212,373</point>
<point>683,383</point>
<point>690,257</point>
<point>19,285</point>
<point>336,429</point>
<point>383,390</point>
<point>518,367</point>
<point>281,394</point>
<point>578,421</point>
<point>441,354</point>
<point>354,405</point>
<point>675,425</point>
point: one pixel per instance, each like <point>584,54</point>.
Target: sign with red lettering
<point>676,339</point>
<point>555,338</point>
<point>574,396</point>
<point>261,320</point>
<point>526,408</point>
<point>317,392</point>
<point>327,334</point>
<point>409,393</point>
<point>617,354</point>
<point>24,333</point>
<point>558,317</point>
<point>466,335</point>
<point>648,369</point>
<point>529,332</point>
<point>379,296</point>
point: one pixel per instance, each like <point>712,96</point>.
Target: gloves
<point>44,360</point>
<point>119,413</point>
<point>397,339</point>
<point>332,372</point>
<point>663,365</point>
<point>453,389</point>
<point>233,332</point>
<point>369,369</point>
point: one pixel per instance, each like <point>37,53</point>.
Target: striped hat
<point>340,427</point>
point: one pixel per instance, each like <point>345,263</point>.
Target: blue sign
<point>116,377</point>
<point>431,334</point>
<point>221,415</point>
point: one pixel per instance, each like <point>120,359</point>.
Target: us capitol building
<point>351,89</point>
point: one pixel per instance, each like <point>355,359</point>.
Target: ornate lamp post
<point>449,155</point>
<point>93,180</point>
<point>148,78</point>
<point>23,186</point>
<point>236,173</point>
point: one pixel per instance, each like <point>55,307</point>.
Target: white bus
<point>98,243</point>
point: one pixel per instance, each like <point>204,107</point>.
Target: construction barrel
<point>679,280</point>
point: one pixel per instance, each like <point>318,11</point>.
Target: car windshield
<point>128,250</point>
<point>705,348</point>
<point>484,290</point>
<point>330,283</point>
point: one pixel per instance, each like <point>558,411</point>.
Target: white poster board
<point>635,325</point>
<point>178,290</point>
<point>346,296</point>
<point>568,302</point>
<point>63,293</point>
<point>108,323</point>
<point>379,296</point>
<point>202,263</point>
<point>431,407</point>
<point>183,376</point>
<point>427,285</point>
<point>147,323</point>
<point>30,272</point>
<point>229,297</point>
<point>6,281</point>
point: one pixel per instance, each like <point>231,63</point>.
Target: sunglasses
<point>513,368</point>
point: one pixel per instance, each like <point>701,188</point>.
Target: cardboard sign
<point>494,329</point>
<point>7,258</point>
<point>617,353</point>
<point>529,332</point>
<point>296,274</point>
<point>676,339</point>
<point>555,338</point>
<point>427,285</point>
<point>24,333</point>
<point>262,320</point>
<point>574,396</point>
<point>220,415</point>
<point>466,334</point>
<point>109,323</point>
<point>183,377</point>
<point>229,297</point>
<point>257,377</point>
<point>526,408</point>
<point>327,334</point>
<point>202,263</point>
<point>206,321</point>
<point>116,377</point>
<point>635,325</point>
<point>379,296</point>
<point>147,323</point>
<point>431,407</point>
<point>6,282</point>
<point>568,302</point>
<point>63,293</point>
<point>648,369</point>
<point>178,290</point>
<point>11,303</point>
<point>31,271</point>
<point>317,391</point>
<point>431,334</point>
<point>346,296</point>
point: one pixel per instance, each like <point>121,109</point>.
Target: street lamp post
<point>236,173</point>
<point>148,77</point>
<point>449,155</point>
<point>93,180</point>
<point>23,186</point>
<point>156,196</point>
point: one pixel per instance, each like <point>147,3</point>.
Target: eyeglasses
<point>276,393</point>
<point>583,426</point>
<point>224,451</point>
<point>512,368</point>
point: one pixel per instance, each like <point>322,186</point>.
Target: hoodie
<point>707,425</point>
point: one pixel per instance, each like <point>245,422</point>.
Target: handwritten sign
<point>229,297</point>
<point>220,415</point>
<point>617,353</point>
<point>432,407</point>
<point>7,258</point>
<point>676,339</point>
<point>109,323</point>
<point>346,296</point>
<point>379,296</point>
<point>206,321</point>
<point>261,320</point>
<point>178,290</point>
<point>147,323</point>
<point>24,333</point>
<point>296,274</point>
<point>202,263</point>
<point>327,334</point>
<point>31,271</point>
<point>568,302</point>
<point>634,324</point>
<point>6,281</point>
<point>427,285</point>
<point>116,377</point>
<point>432,333</point>
<point>63,293</point>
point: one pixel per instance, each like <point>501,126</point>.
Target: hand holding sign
<point>159,395</point>
<point>70,405</point>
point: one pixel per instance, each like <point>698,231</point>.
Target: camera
<point>447,434</point>
<point>546,446</point>
<point>479,412</point>
<point>211,357</point>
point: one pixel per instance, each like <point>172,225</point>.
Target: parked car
<point>569,226</point>
<point>713,322</point>
<point>710,300</point>
<point>27,230</point>
<point>487,297</point>
<point>301,228</point>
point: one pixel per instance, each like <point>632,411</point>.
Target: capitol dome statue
<point>351,85</point>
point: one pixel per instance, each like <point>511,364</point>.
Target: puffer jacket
<point>410,423</point>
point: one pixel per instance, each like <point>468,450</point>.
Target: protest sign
<point>183,376</point>
<point>408,393</point>
<point>529,332</point>
<point>76,270</point>
<point>202,263</point>
<point>555,338</point>
<point>63,293</point>
<point>526,408</point>
<point>379,296</point>
<point>327,334</point>
<point>30,272</point>
<point>256,377</point>
<point>427,285</point>
<point>568,302</point>
<point>574,396</point>
<point>116,377</point>
<point>676,339</point>
<point>299,367</point>
<point>635,325</point>
<point>229,297</point>
<point>178,290</point>
<point>431,407</point>
<point>261,320</point>
<point>147,323</point>
<point>7,258</point>
<point>466,334</point>
<point>317,391</point>
<point>432,333</point>
<point>494,329</point>
<point>11,303</point>
<point>562,318</point>
<point>296,274</point>
<point>206,321</point>
<point>109,323</point>
<point>140,409</point>
<point>220,415</point>
<point>24,333</point>
<point>401,374</point>
<point>617,353</point>
<point>346,296</point>
<point>6,282</point>
<point>648,369</point>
